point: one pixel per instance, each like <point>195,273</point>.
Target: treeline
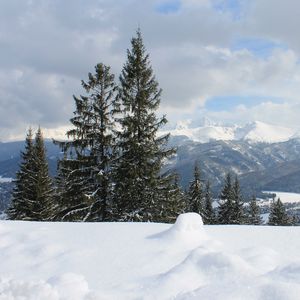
<point>111,169</point>
<point>230,207</point>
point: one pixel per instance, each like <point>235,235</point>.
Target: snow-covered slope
<point>285,197</point>
<point>252,132</point>
<point>262,132</point>
<point>205,134</point>
<point>93,261</point>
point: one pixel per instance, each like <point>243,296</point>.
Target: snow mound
<point>188,222</point>
<point>187,231</point>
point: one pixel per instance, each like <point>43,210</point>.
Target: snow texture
<point>5,179</point>
<point>187,260</point>
<point>254,132</point>
<point>285,197</point>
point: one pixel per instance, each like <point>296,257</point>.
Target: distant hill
<point>259,165</point>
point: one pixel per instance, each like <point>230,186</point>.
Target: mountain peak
<point>254,132</point>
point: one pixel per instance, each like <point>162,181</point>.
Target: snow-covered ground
<point>285,197</point>
<point>70,261</point>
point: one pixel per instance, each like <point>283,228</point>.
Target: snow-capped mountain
<point>262,132</point>
<point>254,132</point>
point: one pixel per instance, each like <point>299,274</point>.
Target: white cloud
<point>48,46</point>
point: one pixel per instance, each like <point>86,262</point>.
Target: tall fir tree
<point>226,209</point>
<point>254,217</point>
<point>138,182</point>
<point>195,193</point>
<point>172,203</point>
<point>23,192</point>
<point>84,175</point>
<point>102,89</point>
<point>33,193</point>
<point>42,206</point>
<point>238,205</point>
<point>209,216</point>
<point>278,215</point>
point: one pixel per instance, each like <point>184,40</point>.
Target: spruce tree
<point>254,217</point>
<point>172,203</point>
<point>226,209</point>
<point>23,192</point>
<point>42,203</point>
<point>32,196</point>
<point>138,182</point>
<point>238,216</point>
<point>209,216</point>
<point>102,88</point>
<point>84,176</point>
<point>278,215</point>
<point>71,202</point>
<point>196,193</point>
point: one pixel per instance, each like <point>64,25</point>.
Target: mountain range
<point>254,132</point>
<point>265,157</point>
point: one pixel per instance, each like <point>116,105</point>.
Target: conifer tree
<point>209,216</point>
<point>172,203</point>
<point>226,207</point>
<point>32,196</point>
<point>23,192</point>
<point>138,183</point>
<point>238,209</point>
<point>102,88</point>
<point>254,217</point>
<point>196,193</point>
<point>278,215</point>
<point>84,176</point>
<point>42,203</point>
<point>71,202</point>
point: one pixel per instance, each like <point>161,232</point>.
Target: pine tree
<point>32,196</point>
<point>102,88</point>
<point>209,216</point>
<point>84,176</point>
<point>172,203</point>
<point>254,217</point>
<point>42,203</point>
<point>278,215</point>
<point>71,202</point>
<point>138,183</point>
<point>238,209</point>
<point>23,192</point>
<point>226,207</point>
<point>196,193</point>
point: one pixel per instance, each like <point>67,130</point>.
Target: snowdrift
<point>187,260</point>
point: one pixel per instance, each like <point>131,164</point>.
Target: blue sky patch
<point>259,47</point>
<point>167,7</point>
<point>226,103</point>
<point>234,7</point>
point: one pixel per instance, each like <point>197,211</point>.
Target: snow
<point>5,179</point>
<point>285,197</point>
<point>253,132</point>
<point>262,132</point>
<point>204,134</point>
<point>187,260</point>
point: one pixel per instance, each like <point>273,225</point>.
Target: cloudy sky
<point>234,61</point>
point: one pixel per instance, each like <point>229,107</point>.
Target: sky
<point>232,61</point>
